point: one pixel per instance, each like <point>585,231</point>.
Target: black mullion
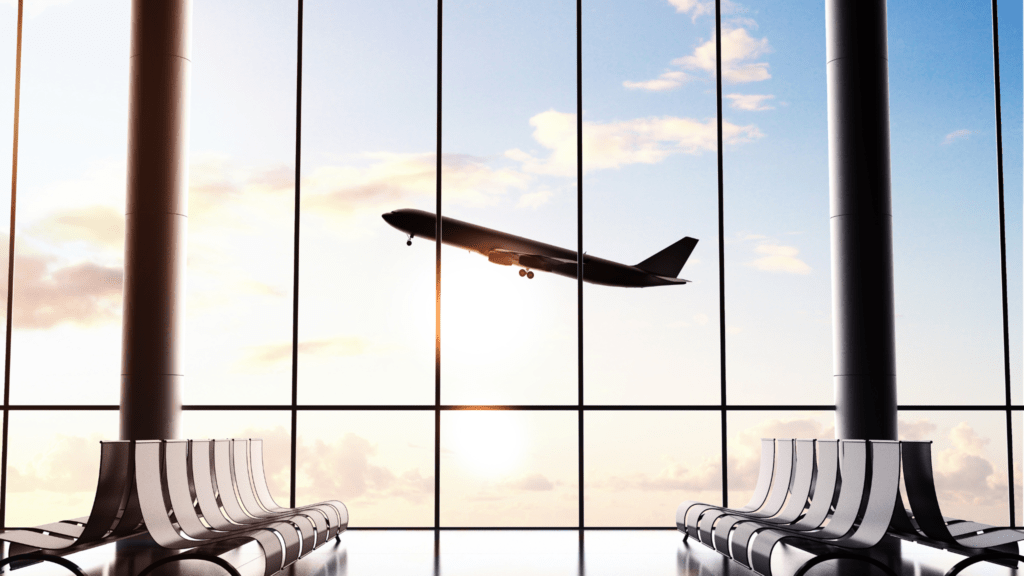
<point>295,259</point>
<point>579,246</point>
<point>721,250</point>
<point>10,272</point>
<point>521,407</point>
<point>437,284</point>
<point>1002,255</point>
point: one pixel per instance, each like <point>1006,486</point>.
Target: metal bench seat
<point>862,512</point>
<point>688,513</point>
<point>825,472</point>
<point>216,504</point>
<point>114,513</point>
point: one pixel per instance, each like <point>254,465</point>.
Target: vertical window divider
<point>295,261</point>
<point>1002,257</point>
<point>579,247</point>
<point>721,250</point>
<point>437,283</point>
<point>10,272</point>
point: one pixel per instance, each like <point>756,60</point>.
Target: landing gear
<point>530,275</point>
<point>409,241</point>
<point>522,272</point>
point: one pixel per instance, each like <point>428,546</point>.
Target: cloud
<point>100,225</point>
<point>340,346</point>
<point>672,476</point>
<point>957,135</point>
<point>389,179</point>
<point>693,7</point>
<point>752,102</point>
<point>920,429</point>
<point>535,482</point>
<point>535,199</point>
<point>46,295</point>
<point>739,53</point>
<point>617,144</point>
<point>778,258</point>
<point>963,473</point>
<point>344,469</point>
<point>667,81</point>
<point>67,464</point>
<point>738,49</point>
<point>745,449</point>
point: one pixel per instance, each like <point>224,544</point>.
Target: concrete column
<point>156,220</point>
<point>863,329</point>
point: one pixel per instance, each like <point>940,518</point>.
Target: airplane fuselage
<point>511,250</point>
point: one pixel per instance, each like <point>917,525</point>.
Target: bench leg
<point>842,556</point>
<point>45,558</point>
<point>177,557</point>
<point>961,565</point>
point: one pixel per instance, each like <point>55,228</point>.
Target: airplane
<point>506,249</point>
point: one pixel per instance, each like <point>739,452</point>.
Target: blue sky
<point>366,315</point>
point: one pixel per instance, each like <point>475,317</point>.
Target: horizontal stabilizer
<point>669,262</point>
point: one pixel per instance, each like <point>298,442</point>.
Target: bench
<point>834,514</point>
<point>190,494</point>
<point>115,514</point>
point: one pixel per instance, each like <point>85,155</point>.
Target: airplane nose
<point>389,217</point>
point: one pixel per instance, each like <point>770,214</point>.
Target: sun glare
<point>487,443</point>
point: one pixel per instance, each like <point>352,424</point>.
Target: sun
<point>487,443</point>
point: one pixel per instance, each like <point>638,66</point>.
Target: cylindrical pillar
<point>863,328</point>
<point>156,220</point>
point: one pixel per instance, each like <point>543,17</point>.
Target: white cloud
<point>778,258</point>
<point>617,144</point>
<point>534,199</point>
<point>957,135</point>
<point>667,81</point>
<point>739,54</point>
<point>693,7</point>
<point>535,482</point>
<point>753,102</point>
<point>738,49</point>
<point>385,179</point>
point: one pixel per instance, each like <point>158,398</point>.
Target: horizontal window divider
<point>554,407</point>
<point>949,407</point>
<point>477,528</point>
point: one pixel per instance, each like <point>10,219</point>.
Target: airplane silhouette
<point>661,269</point>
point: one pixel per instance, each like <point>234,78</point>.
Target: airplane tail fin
<point>669,262</point>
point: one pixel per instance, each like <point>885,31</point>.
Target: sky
<point>366,316</point>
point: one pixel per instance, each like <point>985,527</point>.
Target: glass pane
<point>241,202</point>
<point>639,467</point>
<point>366,330</point>
<point>274,428</point>
<point>968,461</point>
<point>778,277</point>
<point>509,164</point>
<point>651,180</point>
<point>949,336</point>
<point>746,429</point>
<point>8,48</point>
<point>380,464</point>
<point>1018,468</point>
<point>53,462</point>
<point>1011,48</point>
<point>71,190</point>
<point>509,468</point>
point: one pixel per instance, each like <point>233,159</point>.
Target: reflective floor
<point>503,552</point>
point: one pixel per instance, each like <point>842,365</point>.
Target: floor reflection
<point>507,552</point>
